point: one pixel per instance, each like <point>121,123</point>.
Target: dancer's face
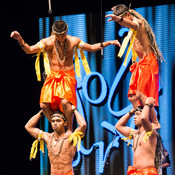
<point>137,118</point>
<point>58,124</point>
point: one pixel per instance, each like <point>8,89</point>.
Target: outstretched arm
<point>30,126</point>
<point>24,46</point>
<point>121,124</point>
<point>80,120</point>
<point>98,46</point>
<point>124,21</point>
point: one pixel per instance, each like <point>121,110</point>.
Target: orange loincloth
<point>144,171</point>
<point>145,77</point>
<point>69,173</point>
<point>57,86</point>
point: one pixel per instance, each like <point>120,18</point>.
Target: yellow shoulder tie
<point>83,58</point>
<point>34,148</point>
<point>45,60</point>
<point>148,134</point>
<point>130,137</point>
<point>132,33</point>
<point>76,138</point>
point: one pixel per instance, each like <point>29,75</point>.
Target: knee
<point>44,106</point>
<point>132,97</point>
<point>64,103</point>
<point>138,94</point>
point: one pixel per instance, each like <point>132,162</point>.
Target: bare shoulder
<point>47,136</point>
<point>139,21</point>
<point>74,40</point>
<point>48,41</point>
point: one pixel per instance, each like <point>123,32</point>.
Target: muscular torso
<point>141,43</point>
<point>144,153</point>
<point>60,155</point>
<point>55,63</point>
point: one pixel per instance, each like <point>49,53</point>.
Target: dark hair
<point>59,114</point>
<point>59,27</point>
<point>120,9</point>
<point>139,108</point>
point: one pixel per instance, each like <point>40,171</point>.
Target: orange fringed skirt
<point>145,77</point>
<point>57,86</point>
<point>144,171</point>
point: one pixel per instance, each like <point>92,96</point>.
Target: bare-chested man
<point>145,139</point>
<point>59,89</point>
<point>144,81</point>
<point>60,149</point>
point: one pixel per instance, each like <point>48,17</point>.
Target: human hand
<point>113,18</point>
<point>150,101</point>
<point>132,112</point>
<point>16,35</point>
<point>115,42</point>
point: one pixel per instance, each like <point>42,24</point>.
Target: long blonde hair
<point>150,35</point>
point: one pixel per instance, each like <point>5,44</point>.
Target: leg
<point>47,110</point>
<point>67,107</point>
<point>134,100</point>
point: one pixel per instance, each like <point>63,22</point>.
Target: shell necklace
<point>64,51</point>
<point>136,139</point>
<point>61,145</point>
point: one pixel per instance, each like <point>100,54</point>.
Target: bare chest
<point>60,150</point>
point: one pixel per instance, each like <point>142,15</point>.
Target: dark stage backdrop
<point>102,95</point>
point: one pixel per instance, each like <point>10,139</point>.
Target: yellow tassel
<point>77,63</point>
<point>125,43</point>
<point>134,55</point>
<point>45,60</point>
<point>130,137</point>
<point>76,138</point>
<point>46,63</point>
<point>34,148</point>
<point>148,134</point>
<point>37,67</point>
<point>132,33</point>
<point>84,61</point>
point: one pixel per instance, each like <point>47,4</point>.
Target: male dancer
<point>59,89</point>
<point>61,145</point>
<point>145,139</point>
<point>144,80</point>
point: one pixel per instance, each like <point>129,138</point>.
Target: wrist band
<point>148,105</point>
<point>22,45</point>
<point>101,44</point>
<point>130,113</point>
<point>73,110</point>
<point>41,113</point>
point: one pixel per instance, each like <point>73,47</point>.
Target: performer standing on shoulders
<point>61,145</point>
<point>144,80</point>
<point>59,89</point>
